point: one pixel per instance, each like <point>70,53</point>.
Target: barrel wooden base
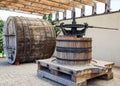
<point>75,75</point>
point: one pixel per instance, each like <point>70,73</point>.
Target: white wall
<point>106,43</point>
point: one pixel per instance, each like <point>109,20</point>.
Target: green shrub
<point>53,22</point>
<point>1,44</point>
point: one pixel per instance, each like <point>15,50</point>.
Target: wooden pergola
<point>42,7</point>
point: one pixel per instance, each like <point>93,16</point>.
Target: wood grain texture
<point>23,43</point>
<point>74,75</point>
<point>72,48</point>
<point>42,7</point>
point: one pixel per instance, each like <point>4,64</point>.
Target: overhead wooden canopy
<point>44,6</point>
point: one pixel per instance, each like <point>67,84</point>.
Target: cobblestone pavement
<point>26,75</point>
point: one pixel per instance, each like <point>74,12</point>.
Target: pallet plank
<point>76,75</point>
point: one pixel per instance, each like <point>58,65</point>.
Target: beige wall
<point>106,43</point>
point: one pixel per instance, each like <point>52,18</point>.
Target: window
<point>68,13</point>
<point>88,10</point>
<point>100,8</point>
<point>60,15</point>
<point>53,16</point>
<point>78,12</point>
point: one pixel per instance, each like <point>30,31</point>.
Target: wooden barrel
<point>71,50</point>
<point>23,43</point>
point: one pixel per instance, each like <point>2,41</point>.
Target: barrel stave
<point>30,43</point>
<point>72,50</point>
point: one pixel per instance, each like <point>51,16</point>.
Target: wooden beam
<point>26,3</point>
<point>67,3</point>
<point>21,11</point>
<point>86,2</point>
<point>17,4</point>
<point>35,4</point>
<point>28,9</point>
<point>13,0</point>
<point>49,3</point>
<point>12,7</point>
<point>21,6</point>
<point>1,0</point>
<point>74,3</point>
<point>23,2</point>
<point>33,8</point>
<point>2,5</point>
<point>103,1</point>
<point>46,7</point>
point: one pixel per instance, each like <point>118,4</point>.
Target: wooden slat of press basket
<point>72,50</point>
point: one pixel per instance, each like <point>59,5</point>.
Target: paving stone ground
<point>26,75</point>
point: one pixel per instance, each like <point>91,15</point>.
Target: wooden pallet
<point>74,75</point>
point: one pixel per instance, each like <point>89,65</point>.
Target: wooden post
<point>83,11</point>
<point>94,9</point>
<point>57,15</point>
<point>107,6</point>
<point>73,13</point>
<point>64,15</point>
